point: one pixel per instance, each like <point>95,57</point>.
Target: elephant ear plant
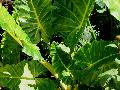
<point>67,66</point>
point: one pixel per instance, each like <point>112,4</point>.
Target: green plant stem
<point>14,37</point>
<point>49,67</point>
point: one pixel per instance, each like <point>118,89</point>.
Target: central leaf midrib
<point>59,59</point>
<point>81,22</point>
<point>38,20</point>
<point>17,77</point>
<point>84,15</point>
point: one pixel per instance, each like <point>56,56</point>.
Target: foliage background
<point>59,44</point>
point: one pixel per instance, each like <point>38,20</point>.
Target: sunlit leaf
<point>8,23</point>
<point>24,76</point>
<point>113,6</point>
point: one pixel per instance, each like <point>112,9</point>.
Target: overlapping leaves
<point>71,17</point>
<point>35,18</point>
<point>91,58</point>
<point>60,62</point>
<point>40,19</point>
<point>23,76</point>
<point>108,75</point>
<point>12,75</point>
<point>94,52</point>
<point>70,20</point>
<point>8,23</point>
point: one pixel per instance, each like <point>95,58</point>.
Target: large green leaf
<point>91,58</point>
<point>24,76</point>
<point>15,72</point>
<point>8,23</point>
<point>114,7</point>
<point>34,16</point>
<point>71,17</point>
<point>37,69</point>
<point>108,75</point>
<point>61,62</point>
<point>46,84</point>
<point>91,53</point>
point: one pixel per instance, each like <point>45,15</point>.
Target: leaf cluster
<point>33,60</point>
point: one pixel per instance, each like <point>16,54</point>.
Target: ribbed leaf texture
<point>91,53</point>
<point>71,17</point>
<point>108,75</point>
<point>92,57</point>
<point>60,62</point>
<point>113,6</point>
<point>10,75</point>
<point>8,23</point>
<point>35,17</point>
<point>39,18</point>
<point>24,76</point>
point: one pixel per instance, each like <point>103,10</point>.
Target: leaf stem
<point>49,67</point>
